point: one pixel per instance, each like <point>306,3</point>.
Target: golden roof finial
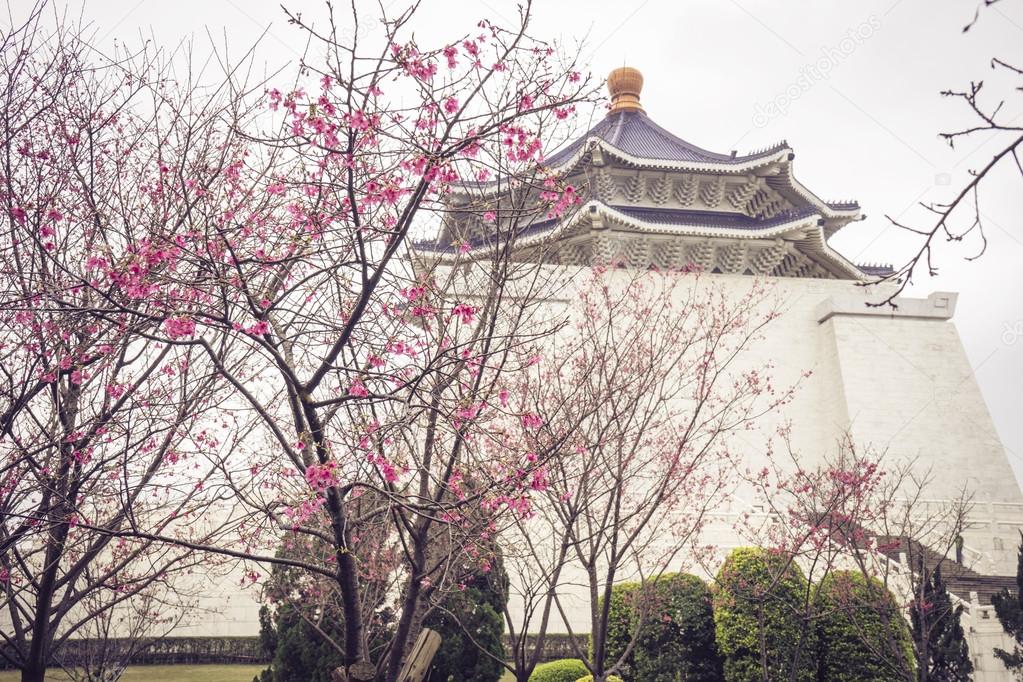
<point>624,84</point>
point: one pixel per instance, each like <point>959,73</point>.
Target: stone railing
<point>164,651</point>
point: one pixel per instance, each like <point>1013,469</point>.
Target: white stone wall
<point>898,380</point>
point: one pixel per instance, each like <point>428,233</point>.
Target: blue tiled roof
<point>877,270</point>
<point>657,216</point>
<point>667,216</point>
<point>732,221</point>
<point>634,133</point>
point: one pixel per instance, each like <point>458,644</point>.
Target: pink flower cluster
<point>531,421</point>
<point>387,469</point>
<point>358,389</point>
<point>134,277</point>
<point>303,511</point>
<point>466,313</point>
<point>321,476</point>
<point>519,504</point>
<point>451,54</point>
<point>179,327</point>
<point>258,329</point>
<point>560,202</point>
<point>386,191</point>
<point>521,144</point>
<point>413,63</point>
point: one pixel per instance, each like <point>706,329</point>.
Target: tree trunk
<point>401,636</point>
<point>348,582</point>
<point>35,671</point>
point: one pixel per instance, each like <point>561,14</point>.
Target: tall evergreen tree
<point>471,618</point>
<point>1009,609</point>
<point>941,650</point>
<point>301,653</point>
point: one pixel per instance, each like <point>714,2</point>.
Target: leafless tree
<point>961,217</point>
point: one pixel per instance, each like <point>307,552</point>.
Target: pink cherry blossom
<point>258,329</point>
<point>179,327</point>
<point>531,421</point>
<point>466,313</point>
<point>320,477</point>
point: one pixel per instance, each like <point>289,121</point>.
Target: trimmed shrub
<point>561,670</point>
<point>676,640</point>
<point>759,613</point>
<point>609,678</point>
<point>863,635</point>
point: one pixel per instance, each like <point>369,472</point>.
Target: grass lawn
<point>187,673</point>
<point>169,673</point>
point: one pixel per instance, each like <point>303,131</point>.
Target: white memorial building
<point>896,379</point>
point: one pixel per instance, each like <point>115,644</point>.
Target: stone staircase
<point>962,581</point>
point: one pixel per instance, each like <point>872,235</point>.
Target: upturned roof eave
<point>781,154</point>
<point>830,210</point>
<point>731,166</point>
<point>805,228</point>
<point>737,166</point>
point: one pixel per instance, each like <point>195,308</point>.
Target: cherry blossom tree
<point>857,511</point>
<point>650,373</point>
<point>362,366</point>
<point>108,425</point>
<point>241,316</point>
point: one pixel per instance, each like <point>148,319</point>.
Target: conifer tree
<point>941,649</point>
<point>470,623</point>
<point>1009,609</point>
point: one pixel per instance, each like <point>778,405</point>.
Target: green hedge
<point>863,635</point>
<point>562,670</point>
<point>619,625</point>
<point>761,595</point>
<point>676,640</point>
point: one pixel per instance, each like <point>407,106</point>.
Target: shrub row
<point>842,629</point>
<point>761,612</point>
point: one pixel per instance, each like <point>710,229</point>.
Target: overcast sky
<point>853,86</point>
